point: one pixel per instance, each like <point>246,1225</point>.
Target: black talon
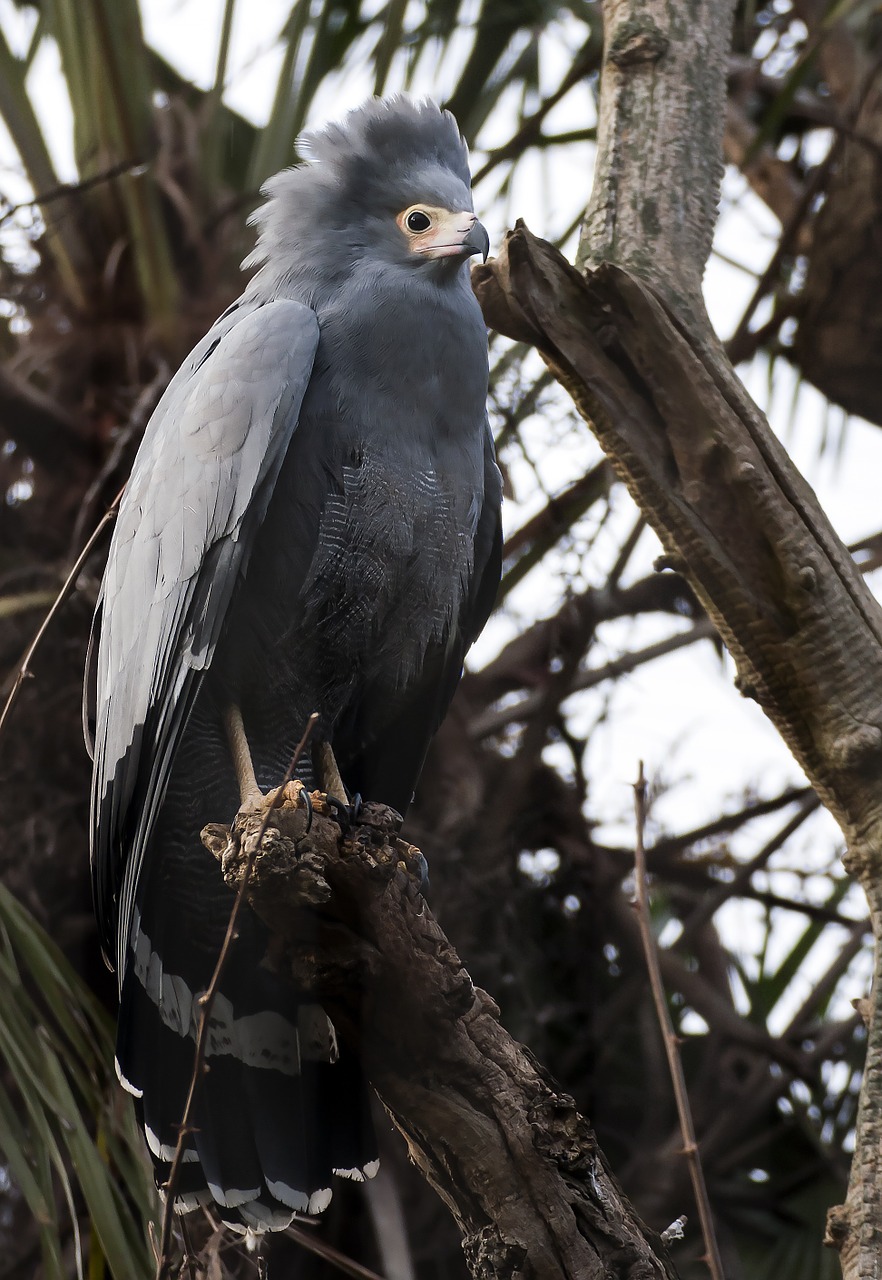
<point>423,869</point>
<point>340,812</point>
<point>346,814</point>
<point>307,804</point>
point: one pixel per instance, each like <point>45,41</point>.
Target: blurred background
<point>134,138</point>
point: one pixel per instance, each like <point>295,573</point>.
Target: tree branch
<point>505,1149</point>
<point>731,510</point>
<point>38,425</point>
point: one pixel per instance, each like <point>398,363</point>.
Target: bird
<point>311,524</point>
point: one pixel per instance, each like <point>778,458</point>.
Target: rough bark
<point>731,510</point>
<point>659,162</point>
<point>499,1141</point>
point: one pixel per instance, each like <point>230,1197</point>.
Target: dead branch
<point>669,1036</point>
<point>502,1145</point>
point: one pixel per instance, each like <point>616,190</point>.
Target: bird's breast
<point>392,562</point>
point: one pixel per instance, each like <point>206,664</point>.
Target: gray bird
<point>312,524</point>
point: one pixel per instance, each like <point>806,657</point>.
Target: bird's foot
<point>346,813</point>
<point>294,794</point>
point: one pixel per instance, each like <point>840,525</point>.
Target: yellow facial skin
<point>444,235</point>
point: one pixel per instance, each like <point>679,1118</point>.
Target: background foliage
<point>106,283</point>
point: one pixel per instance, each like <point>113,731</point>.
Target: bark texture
<point>502,1145</point>
<point>731,510</point>
<point>659,160</point>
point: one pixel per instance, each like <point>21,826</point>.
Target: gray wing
<point>198,491</point>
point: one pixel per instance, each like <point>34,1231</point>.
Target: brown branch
<point>772,178</point>
<point>669,1036</point>
<point>41,427</point>
<point>741,345</point>
<point>728,505</point>
<point>491,721</point>
<point>505,1149</point>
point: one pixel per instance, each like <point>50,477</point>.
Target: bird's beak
<point>459,235</point>
<point>477,240</point>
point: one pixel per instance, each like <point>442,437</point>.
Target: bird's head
<point>385,190</point>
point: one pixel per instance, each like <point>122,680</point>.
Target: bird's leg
<point>332,784</point>
<point>250,793</point>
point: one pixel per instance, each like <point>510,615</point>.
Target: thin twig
<point>530,129</point>
<point>74,188</point>
<point>496,718</point>
<point>206,1003</point>
<point>670,846</point>
<point>625,552</point>
<point>24,666</point>
<point>669,1035</point>
<point>739,345</point>
<point>711,902</point>
<point>322,1249</point>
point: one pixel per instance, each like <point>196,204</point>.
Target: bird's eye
<point>417,221</point>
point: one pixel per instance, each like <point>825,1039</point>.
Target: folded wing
<point>198,492</point>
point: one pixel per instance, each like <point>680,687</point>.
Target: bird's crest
<point>363,163</point>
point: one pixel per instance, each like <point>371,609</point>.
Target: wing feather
<point>198,491</point>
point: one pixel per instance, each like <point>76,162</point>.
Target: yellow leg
<point>329,775</point>
<point>250,793</point>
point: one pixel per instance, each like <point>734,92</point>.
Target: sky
<point>700,742</point>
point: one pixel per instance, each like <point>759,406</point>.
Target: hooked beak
<point>477,241</point>
<point>459,236</point>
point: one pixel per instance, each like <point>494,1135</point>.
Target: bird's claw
<point>346,814</point>
<point>307,804</point>
<point>420,870</point>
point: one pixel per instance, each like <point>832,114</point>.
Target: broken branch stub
<point>502,1145</point>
